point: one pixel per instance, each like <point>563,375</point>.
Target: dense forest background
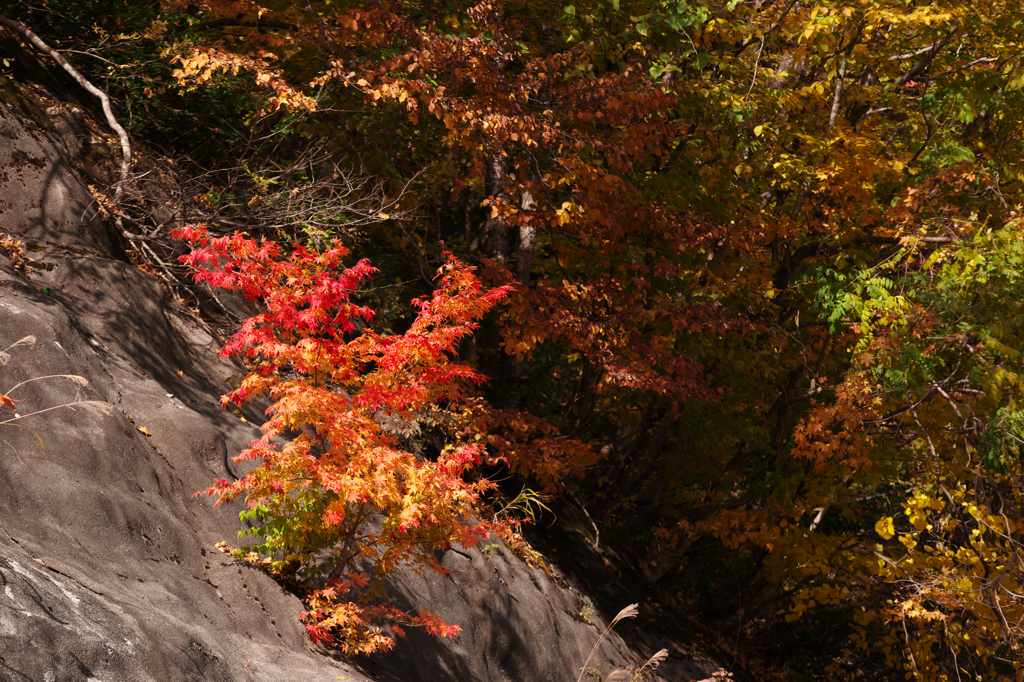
<point>763,273</point>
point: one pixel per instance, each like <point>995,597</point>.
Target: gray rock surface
<point>108,569</point>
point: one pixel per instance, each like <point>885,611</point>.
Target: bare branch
<point>925,62</point>
<point>968,65</point>
<point>915,53</point>
<point>126,149</point>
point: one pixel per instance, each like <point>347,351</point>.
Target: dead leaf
<point>6,401</point>
<point>144,430</point>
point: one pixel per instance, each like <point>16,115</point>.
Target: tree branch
<point>925,62</point>
<point>968,65</point>
<point>911,55</point>
<point>241,23</point>
<point>108,112</point>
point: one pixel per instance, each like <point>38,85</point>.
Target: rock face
<point>107,562</point>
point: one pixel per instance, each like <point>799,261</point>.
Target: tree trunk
<point>495,238</point>
<point>527,248</point>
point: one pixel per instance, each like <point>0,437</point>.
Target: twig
<point>931,446</point>
<point>983,60</point>
<point>169,276</point>
<point>91,54</point>
<point>757,62</point>
<point>597,532</point>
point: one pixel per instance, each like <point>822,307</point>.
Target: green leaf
<point>642,28</point>
<point>570,10</point>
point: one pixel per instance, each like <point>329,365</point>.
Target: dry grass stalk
<point>651,663</point>
<point>629,612</point>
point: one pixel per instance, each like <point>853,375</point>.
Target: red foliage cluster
<point>334,488</point>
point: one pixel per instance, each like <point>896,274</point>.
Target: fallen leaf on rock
<point>144,430</point>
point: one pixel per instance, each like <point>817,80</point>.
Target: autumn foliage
<point>747,238</point>
<point>766,325</point>
<point>333,491</point>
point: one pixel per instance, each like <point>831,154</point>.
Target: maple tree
<point>340,493</point>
